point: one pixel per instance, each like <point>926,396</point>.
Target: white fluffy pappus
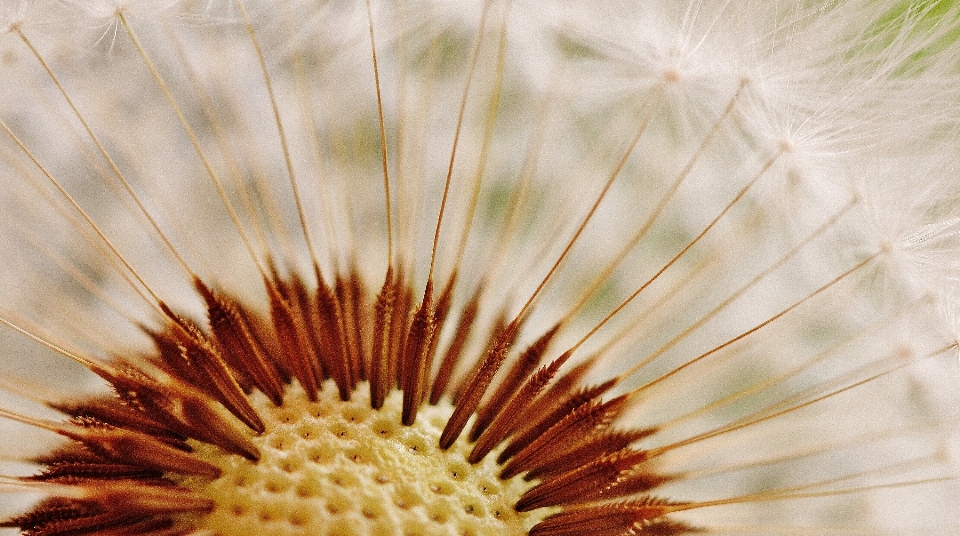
<point>742,213</point>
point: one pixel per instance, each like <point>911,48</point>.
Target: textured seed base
<point>334,468</point>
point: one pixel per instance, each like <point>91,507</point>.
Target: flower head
<point>482,267</point>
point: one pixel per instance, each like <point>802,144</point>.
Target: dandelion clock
<point>479,268</point>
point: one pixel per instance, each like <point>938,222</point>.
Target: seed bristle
<point>522,368</point>
<point>380,349</point>
<point>415,362</point>
<point>451,358</point>
<point>549,427</point>
<point>632,517</point>
<point>507,421</point>
<point>247,358</point>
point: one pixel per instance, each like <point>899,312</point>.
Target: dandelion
<point>470,268</point>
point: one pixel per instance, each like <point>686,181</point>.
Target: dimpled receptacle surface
<point>335,468</point>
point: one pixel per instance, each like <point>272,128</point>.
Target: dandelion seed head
<point>643,269</point>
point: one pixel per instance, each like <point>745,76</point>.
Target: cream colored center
<point>334,468</point>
